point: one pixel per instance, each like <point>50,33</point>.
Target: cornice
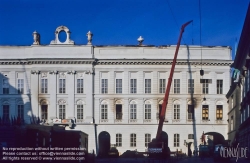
<point>162,62</point>
<point>46,61</point>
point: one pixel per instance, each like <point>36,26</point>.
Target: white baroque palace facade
<point>117,91</point>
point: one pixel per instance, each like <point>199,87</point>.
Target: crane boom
<point>165,101</point>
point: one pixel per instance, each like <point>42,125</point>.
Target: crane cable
<point>204,82</point>
<point>200,32</point>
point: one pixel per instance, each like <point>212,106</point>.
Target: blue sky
<point>121,22</point>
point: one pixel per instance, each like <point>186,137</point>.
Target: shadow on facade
<point>191,109</point>
<point>15,111</point>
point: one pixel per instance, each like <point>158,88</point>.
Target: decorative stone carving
<point>43,102</point>
<point>61,102</point>
<point>44,75</point>
<point>53,72</point>
<point>57,41</point>
<point>140,40</point>
<point>71,72</point>
<point>133,120</point>
<point>80,75</point>
<point>62,75</point>
<point>88,72</point>
<point>104,120</point>
<point>36,38</point>
<point>118,120</point>
<point>79,102</point>
<point>35,72</point>
<point>5,102</point>
<point>89,35</point>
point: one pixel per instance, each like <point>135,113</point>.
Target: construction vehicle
<point>158,147</point>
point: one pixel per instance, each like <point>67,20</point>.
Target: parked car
<point>203,151</point>
<point>217,154</point>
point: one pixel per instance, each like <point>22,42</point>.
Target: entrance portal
<point>104,144</point>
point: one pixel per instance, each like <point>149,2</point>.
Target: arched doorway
<point>214,138</point>
<point>104,144</point>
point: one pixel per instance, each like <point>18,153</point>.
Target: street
<point>173,160</point>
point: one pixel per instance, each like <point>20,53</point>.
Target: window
<point>147,111</point>
<point>62,112</point>
<point>232,98</point>
<point>104,86</point>
<point>118,111</point>
<point>204,112</point>
<point>219,86</point>
<point>176,85</point>
<point>132,140</point>
<point>190,86</point>
<point>79,111</point>
<point>133,85</point>
<point>62,85</point>
<point>190,111</point>
<point>44,112</point>
<point>176,111</point>
<point>6,112</point>
<point>205,86</point>
<point>20,111</point>
<point>219,112</point>
<point>20,86</point>
<point>104,111</point>
<point>132,111</point>
<point>147,85</point>
<point>44,85</point>
<point>118,85</point>
<point>118,140</point>
<point>162,84</point>
<point>232,122</point>
<point>147,139</point>
<point>80,86</point>
<point>176,140</point>
<point>190,136</point>
<point>5,86</point>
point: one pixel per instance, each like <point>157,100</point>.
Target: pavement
<point>209,160</point>
<point>173,160</point>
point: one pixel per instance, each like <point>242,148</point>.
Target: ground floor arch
<point>104,143</point>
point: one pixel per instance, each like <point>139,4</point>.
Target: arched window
<point>20,110</point>
<point>176,106</point>
<point>133,109</point>
<point>62,109</point>
<point>79,111</point>
<point>118,109</point>
<point>190,110</point>
<point>6,111</point>
<point>219,110</point>
<point>205,110</point>
<point>104,109</point>
<point>147,109</point>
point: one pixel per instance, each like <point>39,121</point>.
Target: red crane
<point>157,146</point>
